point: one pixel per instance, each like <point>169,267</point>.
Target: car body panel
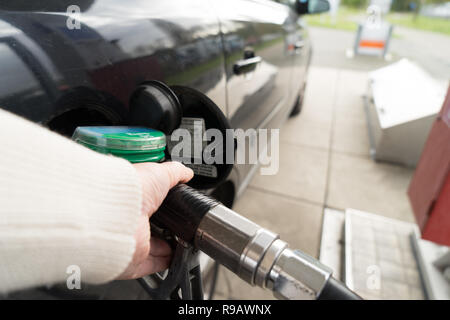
<point>261,98</point>
<point>113,52</point>
<point>48,71</point>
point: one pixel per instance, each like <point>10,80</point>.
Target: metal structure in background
<point>384,258</point>
<point>434,265</point>
<point>373,254</point>
<point>401,105</point>
<point>383,5</point>
<point>379,259</point>
<point>374,34</point>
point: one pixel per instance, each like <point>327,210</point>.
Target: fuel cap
<point>136,144</point>
<point>155,105</point>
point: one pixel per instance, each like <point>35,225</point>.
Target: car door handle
<point>246,65</point>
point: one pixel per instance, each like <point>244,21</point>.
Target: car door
<point>116,47</point>
<point>64,77</point>
<point>259,57</point>
<point>301,49</point>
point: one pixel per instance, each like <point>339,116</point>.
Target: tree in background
<point>397,5</point>
<point>360,4</point>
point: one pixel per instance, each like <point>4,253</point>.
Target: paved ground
<point>324,152</point>
<point>324,162</point>
<point>428,49</point>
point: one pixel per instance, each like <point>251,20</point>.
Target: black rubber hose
<point>182,211</point>
<point>336,290</point>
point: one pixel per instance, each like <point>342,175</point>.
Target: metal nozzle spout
<point>296,276</point>
<point>258,256</point>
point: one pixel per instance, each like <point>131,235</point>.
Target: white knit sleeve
<point>62,205</point>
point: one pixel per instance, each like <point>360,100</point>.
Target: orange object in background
<point>429,190</point>
<point>371,44</point>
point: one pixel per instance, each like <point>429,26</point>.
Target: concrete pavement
<point>324,162</point>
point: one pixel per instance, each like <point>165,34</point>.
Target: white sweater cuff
<point>62,205</point>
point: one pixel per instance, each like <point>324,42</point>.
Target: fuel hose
<point>255,254</point>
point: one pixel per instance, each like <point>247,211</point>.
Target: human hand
<point>152,254</point>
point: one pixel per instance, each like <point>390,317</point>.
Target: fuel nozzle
<point>296,275</point>
<point>259,257</point>
<point>255,254</point>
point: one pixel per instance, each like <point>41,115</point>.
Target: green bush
<point>404,5</point>
<point>397,5</point>
<point>355,3</point>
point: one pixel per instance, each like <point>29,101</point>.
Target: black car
<point>69,63</point>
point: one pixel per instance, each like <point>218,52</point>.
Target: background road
<point>430,50</point>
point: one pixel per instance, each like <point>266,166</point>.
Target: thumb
<point>177,172</point>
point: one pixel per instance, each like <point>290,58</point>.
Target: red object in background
<point>437,228</point>
<point>429,190</point>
